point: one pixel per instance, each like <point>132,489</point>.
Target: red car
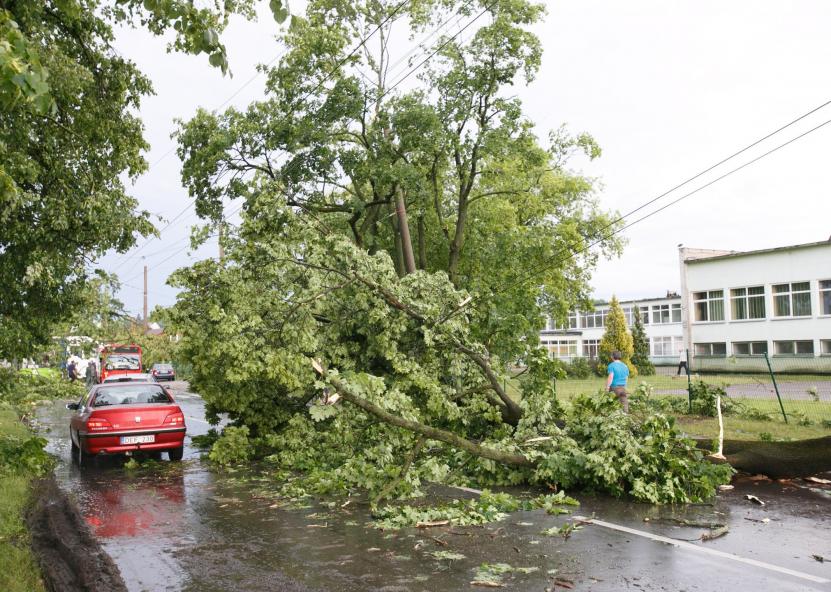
<point>126,417</point>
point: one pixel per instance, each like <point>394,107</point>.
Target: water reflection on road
<point>181,526</point>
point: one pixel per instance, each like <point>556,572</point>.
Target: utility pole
<point>145,298</point>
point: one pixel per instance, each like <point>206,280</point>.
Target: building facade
<point>733,306</point>
<point>745,304</point>
<point>662,321</point>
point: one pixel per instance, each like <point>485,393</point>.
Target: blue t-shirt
<point>619,372</point>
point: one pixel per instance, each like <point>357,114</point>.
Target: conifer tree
<point>616,337</point>
<point>640,345</point>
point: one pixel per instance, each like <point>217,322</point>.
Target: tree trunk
<point>404,232</point>
<point>422,246</point>
<point>457,243</point>
<point>779,460</point>
<point>398,258</point>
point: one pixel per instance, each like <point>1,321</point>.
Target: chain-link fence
<point>792,389</point>
<point>778,396</point>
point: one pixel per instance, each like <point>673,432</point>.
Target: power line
<point>571,254</point>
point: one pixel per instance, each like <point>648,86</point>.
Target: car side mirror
<point>72,406</point>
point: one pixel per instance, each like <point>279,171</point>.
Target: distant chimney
<point>671,294</point>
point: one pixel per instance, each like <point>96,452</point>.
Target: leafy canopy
<point>70,138</point>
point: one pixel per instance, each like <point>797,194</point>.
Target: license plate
<point>138,439</point>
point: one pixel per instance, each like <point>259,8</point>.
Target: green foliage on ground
<point>640,346</point>
<point>605,450</point>
<point>488,507</point>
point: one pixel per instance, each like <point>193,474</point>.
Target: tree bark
<point>422,245</point>
<point>404,232</point>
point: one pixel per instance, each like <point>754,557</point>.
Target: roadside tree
<point>70,138</point>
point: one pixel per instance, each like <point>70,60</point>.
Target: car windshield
<point>130,394</point>
<point>163,367</point>
<point>123,362</point>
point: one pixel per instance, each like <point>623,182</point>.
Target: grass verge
<point>19,571</point>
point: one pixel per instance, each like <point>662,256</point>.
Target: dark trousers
<point>682,364</point>
<point>622,396</point>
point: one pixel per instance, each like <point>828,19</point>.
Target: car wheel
<point>79,456</point>
<point>73,455</point>
<point>176,453</point>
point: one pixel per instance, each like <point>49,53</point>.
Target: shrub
<point>703,398</point>
<point>640,346</point>
<point>23,456</point>
<point>579,368</point>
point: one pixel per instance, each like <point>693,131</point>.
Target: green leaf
<point>280,12</point>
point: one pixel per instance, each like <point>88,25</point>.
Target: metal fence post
<point>689,380</point>
<point>776,387</point>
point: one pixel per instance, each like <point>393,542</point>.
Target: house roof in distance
<point>702,255</point>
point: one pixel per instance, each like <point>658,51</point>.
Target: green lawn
<point>735,427</point>
<point>18,569</point>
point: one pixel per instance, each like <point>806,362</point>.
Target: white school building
<point>775,301</point>
<point>662,321</point>
<point>736,305</point>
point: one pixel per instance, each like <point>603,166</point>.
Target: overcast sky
<point>666,88</point>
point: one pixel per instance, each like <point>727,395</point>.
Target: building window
<point>747,303</point>
<point>750,348</point>
<point>709,306</point>
<point>627,313</point>
<point>666,313</point>
<point>663,346</point>
<point>711,349</point>
<point>590,348</point>
<point>571,323</point>
<point>594,319</point>
<point>825,347</point>
<point>825,297</point>
<point>793,348</point>
<point>660,313</point>
<point>792,300</point>
<point>645,315</point>
<point>561,348</point>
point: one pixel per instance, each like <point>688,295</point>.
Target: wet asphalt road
<point>182,526</point>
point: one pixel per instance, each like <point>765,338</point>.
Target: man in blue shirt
<point>616,381</point>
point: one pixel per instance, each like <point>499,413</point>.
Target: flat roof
<point>637,300</point>
<point>826,243</point>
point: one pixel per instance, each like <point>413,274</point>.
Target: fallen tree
<point>411,245</point>
<point>780,460</point>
